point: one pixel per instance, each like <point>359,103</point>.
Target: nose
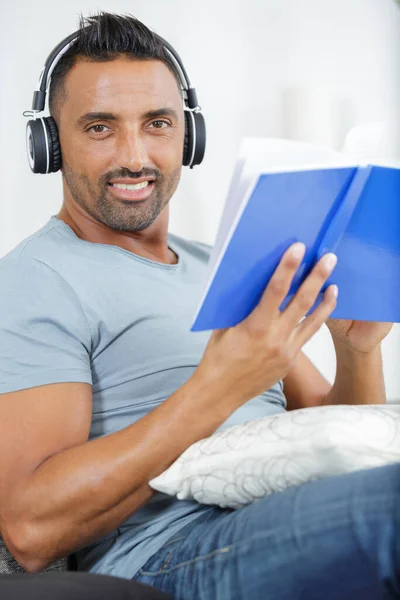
<point>132,152</point>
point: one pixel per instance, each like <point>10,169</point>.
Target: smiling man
<point>103,386</point>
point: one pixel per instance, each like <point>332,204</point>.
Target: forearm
<point>81,494</point>
<point>359,378</point>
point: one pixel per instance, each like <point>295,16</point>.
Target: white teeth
<point>131,186</point>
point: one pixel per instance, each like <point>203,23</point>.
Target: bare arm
<point>304,386</point>
<point>58,492</point>
<point>359,378</point>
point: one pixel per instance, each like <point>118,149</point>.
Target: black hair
<point>101,38</point>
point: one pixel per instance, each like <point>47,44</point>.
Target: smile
<point>131,186</point>
<point>131,191</point>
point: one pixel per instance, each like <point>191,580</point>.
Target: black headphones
<point>42,141</point>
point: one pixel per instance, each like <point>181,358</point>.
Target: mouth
<point>126,190</point>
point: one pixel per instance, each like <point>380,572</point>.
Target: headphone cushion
<point>194,143</point>
<point>200,148</point>
<point>54,145</point>
<point>188,139</point>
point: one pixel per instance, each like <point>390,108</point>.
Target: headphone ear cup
<point>43,145</point>
<point>36,145</point>
<point>194,143</point>
<point>54,145</point>
<point>200,146</point>
<point>188,139</point>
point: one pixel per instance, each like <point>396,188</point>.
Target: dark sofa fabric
<point>9,566</point>
<point>75,586</point>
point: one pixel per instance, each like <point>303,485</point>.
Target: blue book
<point>349,209</point>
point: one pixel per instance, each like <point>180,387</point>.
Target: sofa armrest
<point>9,566</point>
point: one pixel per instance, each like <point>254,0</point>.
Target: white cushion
<point>246,462</point>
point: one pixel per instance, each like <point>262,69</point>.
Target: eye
<point>98,128</point>
<point>160,124</point>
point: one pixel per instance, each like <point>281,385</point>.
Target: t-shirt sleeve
<point>44,334</point>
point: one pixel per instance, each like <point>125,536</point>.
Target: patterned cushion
<point>8,564</point>
<point>246,462</point>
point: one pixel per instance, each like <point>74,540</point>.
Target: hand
<point>245,360</point>
<point>359,336</point>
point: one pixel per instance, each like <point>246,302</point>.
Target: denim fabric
<point>333,539</point>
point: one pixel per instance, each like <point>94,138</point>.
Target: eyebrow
<point>107,116</point>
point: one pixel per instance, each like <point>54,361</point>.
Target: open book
<point>284,191</point>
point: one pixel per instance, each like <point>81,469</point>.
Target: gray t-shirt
<point>76,311</point>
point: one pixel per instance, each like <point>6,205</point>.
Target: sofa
<point>60,580</point>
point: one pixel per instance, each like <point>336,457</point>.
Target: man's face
<point>121,125</point>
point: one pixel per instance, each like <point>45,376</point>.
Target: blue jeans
<point>333,539</point>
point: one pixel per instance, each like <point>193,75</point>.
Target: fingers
<point>311,324</point>
<point>280,282</point>
<point>308,292</point>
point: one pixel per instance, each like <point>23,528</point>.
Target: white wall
<point>309,69</point>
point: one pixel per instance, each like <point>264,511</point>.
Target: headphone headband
<point>39,95</point>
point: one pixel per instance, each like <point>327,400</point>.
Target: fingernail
<point>335,290</point>
<point>298,250</point>
<point>330,260</point>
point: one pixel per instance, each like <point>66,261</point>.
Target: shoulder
<point>33,292</point>
<point>194,248</point>
<point>51,246</point>
<point>22,271</point>
<point>47,260</point>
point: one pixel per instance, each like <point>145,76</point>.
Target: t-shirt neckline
<point>67,229</point>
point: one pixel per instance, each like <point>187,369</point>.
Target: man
<point>104,386</point>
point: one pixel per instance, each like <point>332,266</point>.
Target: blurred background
<point>316,70</point>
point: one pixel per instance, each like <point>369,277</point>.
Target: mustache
<point>127,173</point>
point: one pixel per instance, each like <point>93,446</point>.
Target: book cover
<point>351,210</point>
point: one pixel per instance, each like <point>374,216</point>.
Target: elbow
<point>25,544</point>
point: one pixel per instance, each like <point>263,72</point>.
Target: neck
<point>151,243</point>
